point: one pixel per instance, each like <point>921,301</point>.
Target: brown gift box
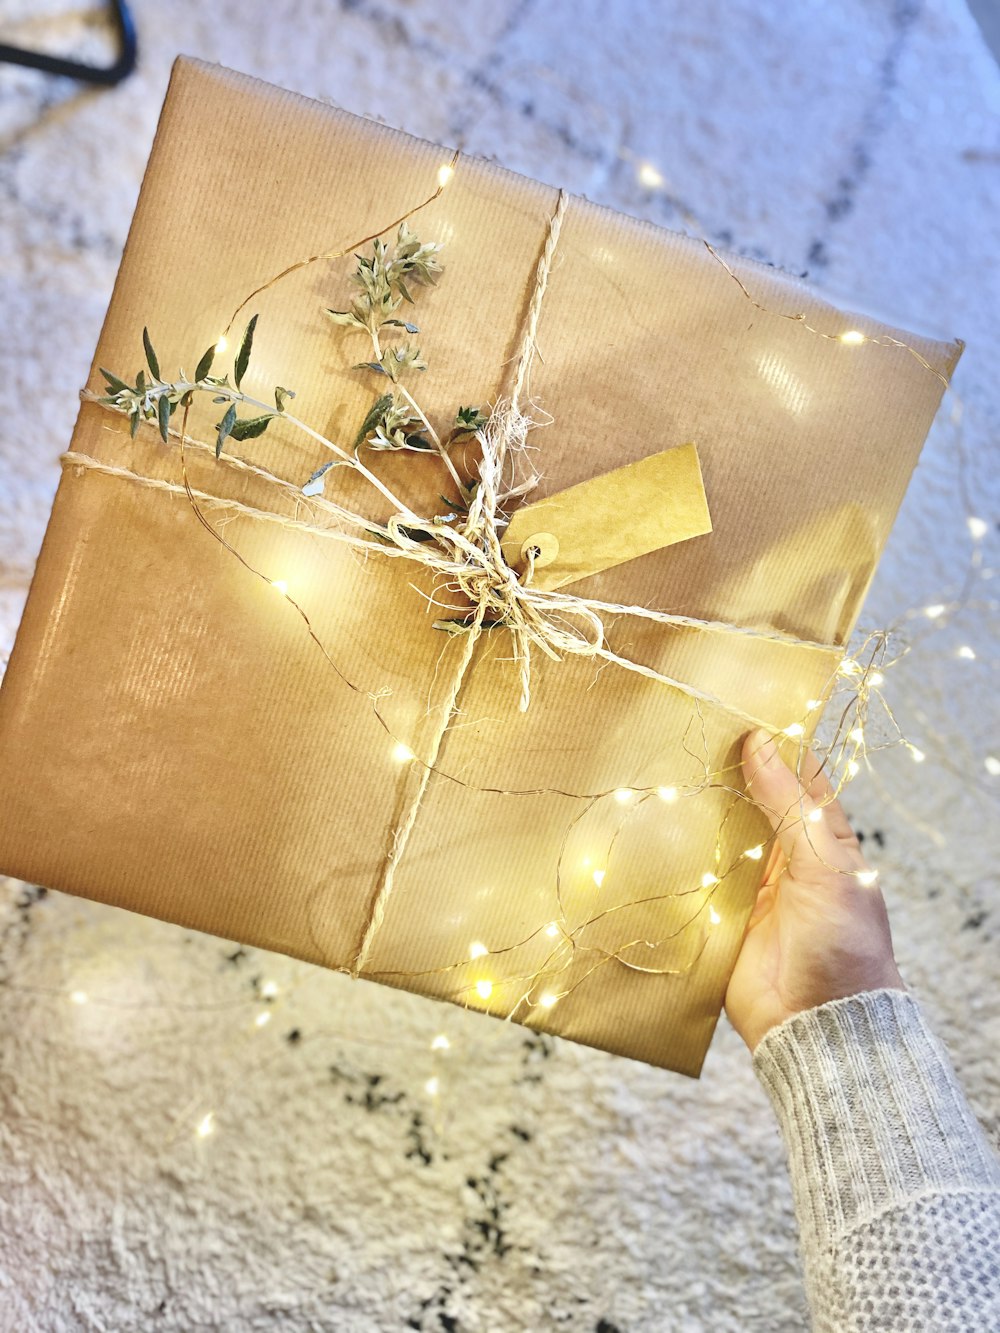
<point>174,741</point>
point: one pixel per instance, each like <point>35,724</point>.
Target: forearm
<point>897,1190</point>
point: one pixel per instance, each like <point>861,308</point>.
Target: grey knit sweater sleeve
<point>896,1187</point>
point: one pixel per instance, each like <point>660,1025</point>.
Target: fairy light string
<point>476,569</point>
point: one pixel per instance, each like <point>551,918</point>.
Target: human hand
<point>817,932</point>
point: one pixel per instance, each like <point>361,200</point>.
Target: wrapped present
<point>461,720</point>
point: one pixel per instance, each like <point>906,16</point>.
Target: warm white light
<point>708,879</point>
<point>978,527</point>
<point>281,585</point>
<point>992,764</point>
<point>445,174</point>
<point>849,667</point>
<point>794,729</point>
<point>815,816</point>
<point>857,735</point>
<point>598,877</point>
<point>431,1086</point>
<point>866,877</point>
<point>79,997</point>
<point>206,1126</point>
<point>853,768</point>
<point>477,949</point>
<point>222,344</point>
<point>440,1042</point>
<point>402,753</point>
<point>623,795</point>
<point>552,930</point>
<point>876,678</point>
<point>932,612</point>
<point>968,653</point>
<point>667,794</point>
<point>713,916</point>
<point>547,1000</point>
<point>263,1019</point>
<point>852,337</point>
<point>649,176</point>
<point>918,755</point>
<point>484,989</point>
<point>754,853</point>
<point>814,703</point>
<point>269,990</point>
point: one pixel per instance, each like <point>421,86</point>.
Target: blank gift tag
<point>610,519</point>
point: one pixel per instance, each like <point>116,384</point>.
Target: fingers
<point>806,842</point>
<point>820,788</point>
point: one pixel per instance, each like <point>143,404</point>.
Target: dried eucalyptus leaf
<point>114,382</point>
<point>243,355</point>
<point>204,365</point>
<point>225,426</point>
<point>248,428</point>
<point>154,364</point>
<point>163,416</point>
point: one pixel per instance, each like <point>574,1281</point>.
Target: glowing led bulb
<point>222,344</point>
<point>402,753</point>
<point>917,755</point>
<point>815,816</point>
<point>552,930</point>
<point>269,990</point>
<point>857,735</point>
<point>445,174</point>
<point>992,765</point>
<point>814,703</point>
<point>978,527</point>
<point>263,1019</point>
<point>853,337</point>
<point>866,877</point>
<point>708,879</point>
<point>547,1000</point>
<point>206,1125</point>
<point>623,795</point>
<point>598,877</point>
<point>853,768</point>
<point>281,585</point>
<point>754,853</point>
<point>713,916</point>
<point>667,794</point>
<point>968,653</point>
<point>794,729</point>
<point>649,176</point>
<point>484,989</point>
<point>440,1042</point>
<point>876,678</point>
<point>431,1086</point>
<point>849,667</point>
<point>932,612</point>
<point>477,950</point>
<point>79,997</point>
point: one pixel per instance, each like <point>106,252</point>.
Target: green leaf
<point>345,317</point>
<point>205,364</point>
<point>375,417</point>
<point>225,426</point>
<point>154,365</point>
<point>250,427</point>
<point>281,396</point>
<point>401,324</point>
<point>114,382</point>
<point>314,486</point>
<point>133,422</point>
<point>370,365</point>
<point>243,355</point>
<point>163,414</point>
<point>403,292</point>
<point>140,383</point>
<point>418,442</point>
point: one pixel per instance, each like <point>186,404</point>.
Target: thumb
<point>776,789</point>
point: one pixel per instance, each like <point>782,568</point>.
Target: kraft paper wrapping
<point>174,742</point>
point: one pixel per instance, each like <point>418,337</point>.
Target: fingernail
<point>764,748</point>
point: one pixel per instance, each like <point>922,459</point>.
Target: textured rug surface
<point>538,1185</point>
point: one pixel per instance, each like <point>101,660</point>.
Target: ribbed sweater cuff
<point>870,1111</point>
